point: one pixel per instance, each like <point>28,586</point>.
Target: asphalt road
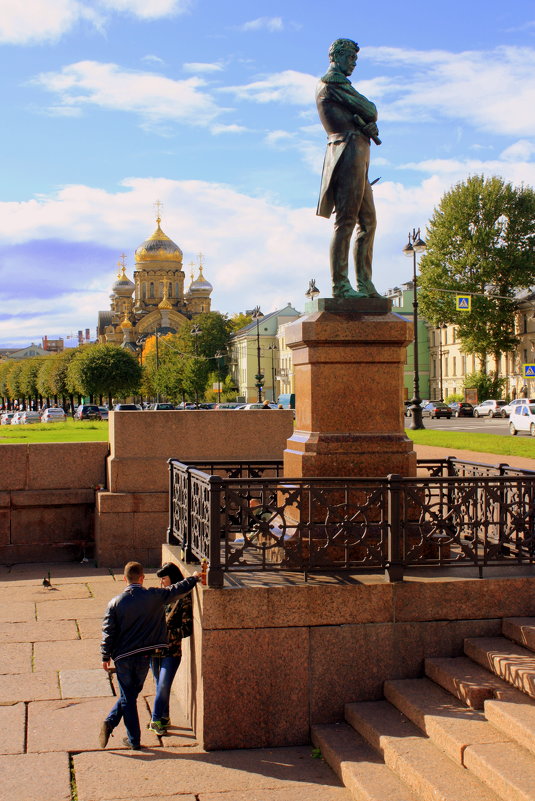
<point>480,425</point>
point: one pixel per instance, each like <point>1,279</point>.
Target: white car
<point>257,406</point>
<point>6,418</point>
<point>489,408</point>
<point>523,419</point>
<point>508,410</point>
<point>15,420</point>
<point>53,415</point>
<point>29,417</point>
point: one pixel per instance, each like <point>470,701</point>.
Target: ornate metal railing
<point>246,516</point>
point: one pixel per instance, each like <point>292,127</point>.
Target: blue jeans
<point>131,674</point>
<point>164,670</point>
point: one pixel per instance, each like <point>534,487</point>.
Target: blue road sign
<point>529,370</point>
<point>463,302</point>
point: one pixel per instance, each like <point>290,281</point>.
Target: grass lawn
<point>70,431</point>
<point>521,445</point>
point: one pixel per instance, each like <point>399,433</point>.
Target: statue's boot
<point>367,289</point>
<point>343,289</point>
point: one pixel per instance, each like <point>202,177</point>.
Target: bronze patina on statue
<point>349,119</point>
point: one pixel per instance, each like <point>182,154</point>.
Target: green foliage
<point>183,363</point>
<point>238,321</point>
<point>104,370</point>
<point>455,397</point>
<point>13,380</point>
<point>479,237</point>
<point>488,386</point>
<point>44,385</point>
<point>29,374</point>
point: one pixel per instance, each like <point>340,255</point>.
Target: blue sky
<point>208,106</point>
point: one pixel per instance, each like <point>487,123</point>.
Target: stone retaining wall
<point>132,514</point>
<point>47,500</point>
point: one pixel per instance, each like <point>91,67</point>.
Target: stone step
<point>520,630</point>
<point>413,757</point>
<point>509,661</point>
<point>506,767</point>
<point>468,681</point>
<point>515,719</point>
<point>450,724</point>
<point>358,765</point>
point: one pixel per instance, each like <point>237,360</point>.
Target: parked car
<point>523,419</point>
<point>15,420</point>
<point>87,411</point>
<point>507,410</point>
<point>104,413</point>
<point>127,407</point>
<point>161,407</point>
<point>489,408</point>
<point>462,409</point>
<point>437,409</point>
<point>257,406</point>
<point>227,405</point>
<point>29,417</point>
<point>6,418</point>
<point>53,415</point>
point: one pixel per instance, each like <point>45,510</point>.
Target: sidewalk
<point>430,452</point>
<point>54,695</point>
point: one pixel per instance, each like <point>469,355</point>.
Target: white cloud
<point>150,58</point>
<point>283,87</point>
<point>519,151</point>
<point>492,90</point>
<point>275,138</point>
<point>25,22</point>
<point>153,97</point>
<point>148,9</point>
<point>271,24</point>
<point>201,66</point>
<point>224,129</point>
<point>28,21</point>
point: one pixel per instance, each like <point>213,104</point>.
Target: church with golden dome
<point>155,301</point>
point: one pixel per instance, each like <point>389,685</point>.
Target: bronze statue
<point>349,119</point>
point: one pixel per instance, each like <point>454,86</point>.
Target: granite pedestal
<point>348,358</point>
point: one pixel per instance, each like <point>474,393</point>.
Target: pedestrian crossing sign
<point>529,370</point>
<point>463,302</point>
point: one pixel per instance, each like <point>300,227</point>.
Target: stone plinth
<point>348,368</point>
<point>265,663</point>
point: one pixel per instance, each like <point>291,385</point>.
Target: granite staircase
<point>464,732</point>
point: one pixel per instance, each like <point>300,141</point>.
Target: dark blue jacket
<point>135,620</point>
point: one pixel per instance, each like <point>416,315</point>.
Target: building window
<point>454,365</point>
<point>434,368</point>
<point>151,289</point>
<point>446,368</point>
<point>160,295</point>
<point>463,365</point>
<point>176,289</point>
<point>143,291</point>
<point>524,323</point>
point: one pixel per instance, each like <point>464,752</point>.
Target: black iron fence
<point>247,516</point>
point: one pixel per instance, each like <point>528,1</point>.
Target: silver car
<point>489,408</point>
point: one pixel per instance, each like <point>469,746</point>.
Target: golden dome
<point>159,247</point>
<point>125,324</point>
<point>165,303</point>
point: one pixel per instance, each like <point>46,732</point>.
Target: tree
<point>480,242</point>
<point>239,320</point>
<point>28,377</point>
<point>105,370</point>
<point>13,380</point>
<point>488,386</point>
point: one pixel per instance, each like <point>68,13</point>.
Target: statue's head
<point>341,48</point>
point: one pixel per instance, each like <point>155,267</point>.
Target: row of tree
<point>181,366</point>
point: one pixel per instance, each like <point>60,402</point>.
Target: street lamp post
<point>196,331</point>
<point>217,356</point>
<point>273,347</point>
<point>415,245</point>
<point>256,315</point>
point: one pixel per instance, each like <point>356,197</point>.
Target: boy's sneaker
<point>166,722</point>
<point>157,727</point>
<point>130,745</point>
